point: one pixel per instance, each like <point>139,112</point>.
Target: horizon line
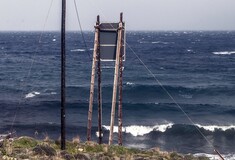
<point>176,30</point>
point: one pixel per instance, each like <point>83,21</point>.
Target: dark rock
<point>106,158</point>
<point>82,156</point>
<point>23,156</point>
<point>44,150</point>
<point>98,155</point>
<point>122,158</point>
<point>1,144</point>
<point>65,155</point>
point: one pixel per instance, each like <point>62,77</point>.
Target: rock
<point>175,155</point>
<point>140,158</point>
<point>44,150</point>
<point>76,140</point>
<point>122,158</point>
<point>107,158</point>
<point>1,143</point>
<point>82,156</point>
<point>156,149</point>
<point>4,157</point>
<point>91,143</point>
<point>98,155</point>
<point>65,155</point>
<point>116,158</point>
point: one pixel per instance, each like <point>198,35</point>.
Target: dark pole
<point>63,74</point>
<point>120,88</point>
<point>99,95</point>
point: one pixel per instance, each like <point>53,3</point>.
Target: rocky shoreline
<point>27,148</point>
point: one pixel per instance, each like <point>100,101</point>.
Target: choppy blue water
<point>197,68</point>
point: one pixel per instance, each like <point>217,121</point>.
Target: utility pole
<point>96,45</point>
<point>63,60</point>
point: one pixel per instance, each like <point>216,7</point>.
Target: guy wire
<point>81,30</point>
<point>31,66</point>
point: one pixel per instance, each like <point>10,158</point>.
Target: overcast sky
<point>138,14</point>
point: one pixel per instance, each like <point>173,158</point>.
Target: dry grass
<point>30,148</point>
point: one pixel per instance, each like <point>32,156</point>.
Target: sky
<point>37,15</point>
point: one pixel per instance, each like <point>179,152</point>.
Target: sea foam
<point>212,128</point>
<point>129,83</point>
<point>136,130</point>
<point>224,53</point>
<point>77,50</point>
<point>215,157</point>
<point>32,94</point>
<point>139,130</point>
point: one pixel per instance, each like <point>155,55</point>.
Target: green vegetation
<point>24,142</point>
<point>29,148</point>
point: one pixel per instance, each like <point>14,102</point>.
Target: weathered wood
<point>120,91</point>
<point>119,44</point>
<point>96,45</point>
<point>63,62</point>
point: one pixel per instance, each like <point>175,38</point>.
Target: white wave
<point>52,93</point>
<point>189,50</point>
<point>77,50</point>
<point>138,130</point>
<point>212,128</point>
<point>108,67</point>
<point>129,83</point>
<point>137,145</point>
<point>156,42</point>
<point>32,94</point>
<point>215,157</point>
<point>143,42</point>
<point>97,134</point>
<point>224,53</point>
<point>141,130</point>
<point>186,96</point>
<point>54,40</point>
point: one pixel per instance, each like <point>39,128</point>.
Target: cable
<point>171,97</point>
<point>31,66</point>
<point>81,30</point>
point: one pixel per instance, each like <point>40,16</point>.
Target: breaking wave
<point>139,130</point>
<point>136,130</point>
<point>78,50</point>
<point>32,94</point>
<point>213,128</point>
<point>215,157</point>
<point>224,53</point>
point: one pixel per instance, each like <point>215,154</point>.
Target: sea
<point>178,89</point>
